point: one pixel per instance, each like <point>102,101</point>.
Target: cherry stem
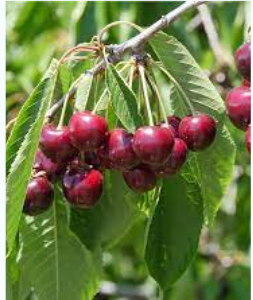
<point>78,48</point>
<point>159,98</point>
<point>131,76</point>
<point>116,23</point>
<point>65,103</point>
<point>99,101</point>
<point>145,93</point>
<point>187,101</point>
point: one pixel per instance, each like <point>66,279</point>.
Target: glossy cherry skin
<point>198,132</point>
<point>82,188</point>
<point>173,122</point>
<point>140,179</point>
<point>248,139</point>
<point>175,161</point>
<point>243,60</point>
<point>39,196</point>
<point>52,169</point>
<point>87,131</point>
<point>153,144</point>
<point>56,145</point>
<point>120,149</point>
<point>238,104</point>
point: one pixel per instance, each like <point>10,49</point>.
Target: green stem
<point>187,101</point>
<point>131,76</point>
<point>145,93</point>
<point>99,101</point>
<point>158,95</point>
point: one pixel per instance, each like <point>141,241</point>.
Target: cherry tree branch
<point>134,44</point>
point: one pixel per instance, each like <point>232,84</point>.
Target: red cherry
<point>87,131</point>
<point>173,122</point>
<point>140,179</point>
<point>238,104</point>
<point>52,169</point>
<point>153,144</point>
<point>243,60</point>
<point>55,143</point>
<point>246,83</point>
<point>39,196</point>
<point>198,131</point>
<point>175,160</point>
<point>120,149</point>
<point>82,188</point>
<point>248,139</point>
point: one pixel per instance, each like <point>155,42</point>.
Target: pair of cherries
<point>238,100</point>
<point>151,152</point>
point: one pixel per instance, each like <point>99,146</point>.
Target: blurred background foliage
<point>38,31</point>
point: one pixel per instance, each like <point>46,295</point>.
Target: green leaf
<point>111,218</point>
<point>190,79</point>
<point>174,231</point>
<point>192,86</point>
<point>123,100</point>
<point>21,149</point>
<point>83,91</point>
<point>58,266</point>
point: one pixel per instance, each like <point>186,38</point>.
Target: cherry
<point>103,154</point>
<point>153,144</point>
<point>87,131</point>
<point>238,104</point>
<point>39,196</point>
<point>82,188</point>
<point>52,169</point>
<point>140,179</point>
<point>243,60</point>
<point>197,131</point>
<point>55,143</point>
<point>246,83</point>
<point>248,139</point>
<point>175,160</point>
<point>120,149</point>
<point>173,122</point>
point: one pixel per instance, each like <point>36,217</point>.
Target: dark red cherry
<point>173,122</point>
<point>87,131</point>
<point>55,143</point>
<point>120,148</point>
<point>153,144</point>
<point>243,60</point>
<point>82,188</point>
<point>238,104</point>
<point>105,162</point>
<point>175,160</point>
<point>140,179</point>
<point>52,169</point>
<point>246,83</point>
<point>248,139</point>
<point>197,131</point>
<point>39,196</point>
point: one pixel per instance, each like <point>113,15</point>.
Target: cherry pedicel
<point>56,145</point>
<point>243,60</point>
<point>39,196</point>
<point>248,139</point>
<point>52,169</point>
<point>175,161</point>
<point>153,144</point>
<point>140,179</point>
<point>87,131</point>
<point>238,104</point>
<point>82,188</point>
<point>120,149</point>
<point>197,131</point>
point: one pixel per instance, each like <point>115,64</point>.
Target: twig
<point>133,44</point>
<point>212,35</point>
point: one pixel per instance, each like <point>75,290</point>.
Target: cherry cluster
<point>80,152</point>
<point>238,100</point>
